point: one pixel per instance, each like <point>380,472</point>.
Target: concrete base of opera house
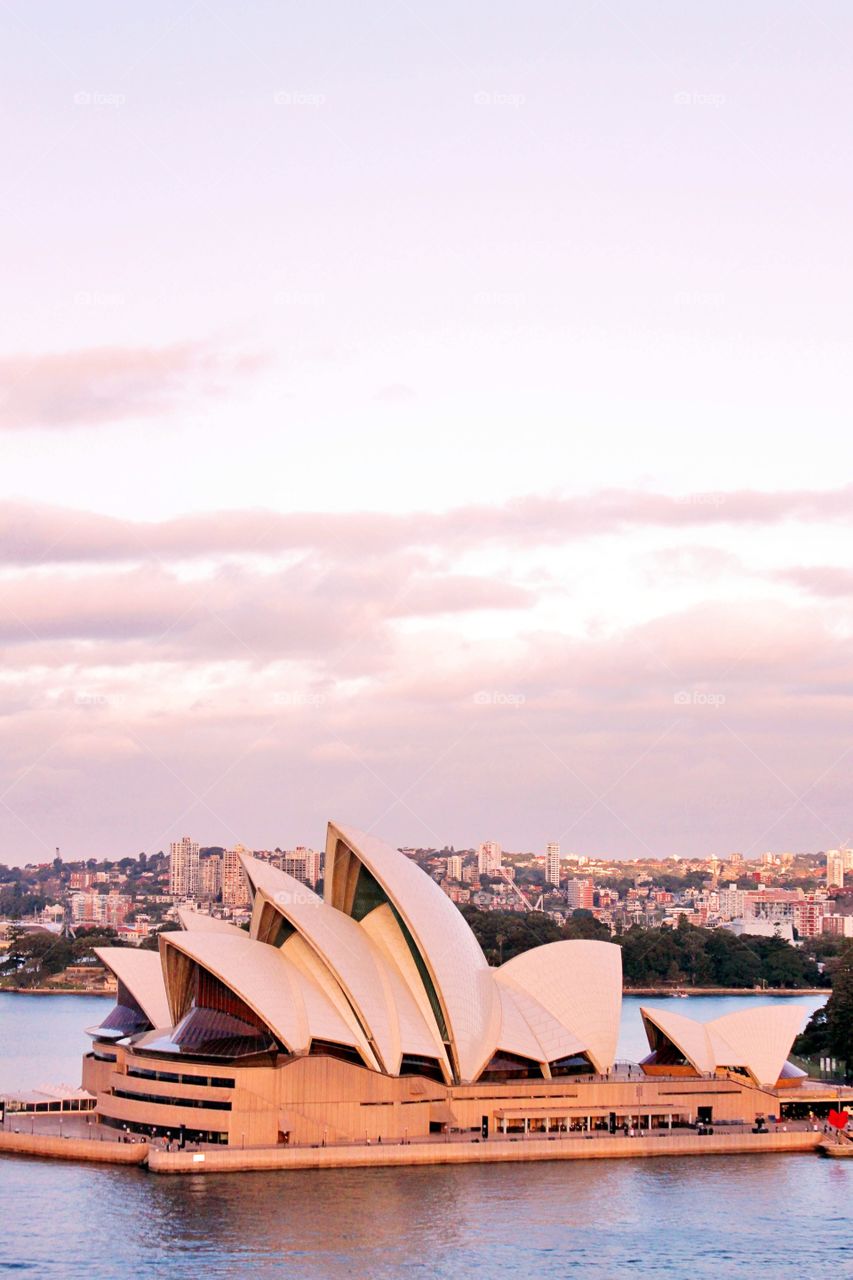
<point>53,1147</point>
<point>492,1151</point>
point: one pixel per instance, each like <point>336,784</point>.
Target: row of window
<point>205,1103</point>
<point>175,1077</point>
<point>166,1131</point>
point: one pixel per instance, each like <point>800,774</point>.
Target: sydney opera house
<point>372,1014</point>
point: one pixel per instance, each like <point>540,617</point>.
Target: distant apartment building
<point>210,875</point>
<point>107,909</point>
<point>835,865</point>
<point>775,905</point>
<point>184,868</point>
<point>454,867</point>
<point>81,879</point>
<point>730,902</point>
<point>837,926</point>
<point>489,858</point>
<point>235,890</point>
<point>808,916</point>
<point>579,894</point>
<point>303,864</point>
<point>463,896</point>
<point>552,863</point>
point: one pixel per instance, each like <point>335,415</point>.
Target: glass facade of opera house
<point>372,1013</point>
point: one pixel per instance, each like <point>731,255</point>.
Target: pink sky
<point>433,421</point>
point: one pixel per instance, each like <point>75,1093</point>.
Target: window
<point>511,1066</point>
<point>205,1104</point>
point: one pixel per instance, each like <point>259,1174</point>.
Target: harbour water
<point>777,1217</point>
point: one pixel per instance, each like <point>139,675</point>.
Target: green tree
<point>829,1031</point>
<point>583,924</point>
<point>839,1011</point>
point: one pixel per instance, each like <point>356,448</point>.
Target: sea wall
<point>234,1160</point>
<point>54,1148</point>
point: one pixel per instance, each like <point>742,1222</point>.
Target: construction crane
<point>537,906</point>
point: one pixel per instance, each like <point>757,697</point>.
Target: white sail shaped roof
<point>388,966</point>
<point>456,967</point>
<point>758,1039</point>
<point>571,995</point>
<point>419,1033</point>
<point>385,1011</point>
<point>286,998</point>
<point>518,1016</point>
<point>142,974</point>
<point>263,875</point>
<point>304,958</point>
<point>689,1036</point>
<point>190,919</point>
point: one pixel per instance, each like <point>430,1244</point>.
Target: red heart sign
<point>838,1119</point>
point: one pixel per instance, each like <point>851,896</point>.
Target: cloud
<point>100,385</point>
<point>594,747</point>
<point>357,665</point>
<point>705,563</point>
<point>33,534</point>
<point>827,581</point>
<point>304,610</point>
<point>397,393</point>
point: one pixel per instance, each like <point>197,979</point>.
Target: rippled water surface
<point>750,1216</point>
<point>777,1217</point>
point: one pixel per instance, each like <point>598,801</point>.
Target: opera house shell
<point>371,1013</point>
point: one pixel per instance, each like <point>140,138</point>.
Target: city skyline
<point>445,427</point>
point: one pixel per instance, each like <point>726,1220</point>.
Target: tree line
<point>829,1032</point>
<point>688,956</point>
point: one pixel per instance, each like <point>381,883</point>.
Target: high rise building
<point>313,866</point>
<point>579,894</point>
<point>552,863</point>
<point>489,858</point>
<point>183,868</point>
<point>808,916</point>
<point>835,867</point>
<point>454,867</point>
<point>235,891</point>
<point>731,901</point>
<point>211,876</point>
<point>301,863</point>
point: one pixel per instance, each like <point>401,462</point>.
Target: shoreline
<point>53,991</point>
<point>656,992</point>
<point>680,992</point>
<point>493,1151</point>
